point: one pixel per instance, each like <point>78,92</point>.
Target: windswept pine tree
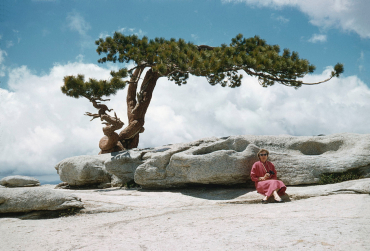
<point>177,60</point>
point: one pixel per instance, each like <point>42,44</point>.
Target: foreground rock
<point>202,219</point>
<point>228,161</point>
<point>17,200</point>
<point>19,181</point>
<point>115,200</point>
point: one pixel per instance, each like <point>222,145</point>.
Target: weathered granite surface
<point>298,160</point>
<point>84,170</point>
<point>202,219</point>
<point>123,164</point>
<point>26,199</point>
<point>19,181</point>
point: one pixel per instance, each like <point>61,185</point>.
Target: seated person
<point>263,174</point>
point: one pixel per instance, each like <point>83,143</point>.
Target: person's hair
<point>260,151</point>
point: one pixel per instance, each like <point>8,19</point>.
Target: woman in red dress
<point>263,174</point>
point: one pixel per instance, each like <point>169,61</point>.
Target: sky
<point>41,41</point>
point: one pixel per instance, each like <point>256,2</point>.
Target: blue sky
<point>41,41</point>
<point>41,33</point>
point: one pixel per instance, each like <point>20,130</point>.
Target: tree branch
<point>131,92</point>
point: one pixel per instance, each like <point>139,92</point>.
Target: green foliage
<point>330,178</point>
<point>338,69</point>
<point>77,86</point>
<point>177,59</point>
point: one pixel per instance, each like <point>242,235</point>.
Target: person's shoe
<point>264,201</point>
<point>279,201</point>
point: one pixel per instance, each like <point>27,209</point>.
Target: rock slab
<point>28,199</point>
<point>19,181</point>
<point>228,161</point>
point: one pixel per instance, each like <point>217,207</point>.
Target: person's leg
<point>276,196</point>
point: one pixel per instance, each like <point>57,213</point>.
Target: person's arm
<point>274,170</point>
<point>254,177</point>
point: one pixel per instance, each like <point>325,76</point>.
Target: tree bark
<point>137,105</point>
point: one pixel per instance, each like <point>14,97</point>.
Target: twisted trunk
<point>137,105</point>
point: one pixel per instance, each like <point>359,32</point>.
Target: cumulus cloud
<point>347,15</point>
<point>318,38</point>
<point>41,126</point>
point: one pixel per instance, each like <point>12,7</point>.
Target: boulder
<point>84,170</point>
<point>19,181</point>
<point>28,199</point>
<point>227,161</point>
<point>298,159</point>
<point>123,165</point>
<point>202,162</point>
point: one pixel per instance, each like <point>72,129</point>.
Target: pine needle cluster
<point>177,60</point>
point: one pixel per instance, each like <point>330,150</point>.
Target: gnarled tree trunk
<point>137,105</point>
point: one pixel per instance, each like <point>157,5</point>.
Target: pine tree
<point>177,60</point>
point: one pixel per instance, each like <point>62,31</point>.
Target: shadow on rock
<point>42,214</point>
<point>209,192</point>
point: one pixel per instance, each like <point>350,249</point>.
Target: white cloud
<point>280,19</point>
<point>318,38</point>
<point>3,54</point>
<point>121,30</point>
<point>361,62</point>
<point>41,126</point>
<point>9,44</point>
<point>80,58</point>
<point>77,23</point>
<point>138,33</point>
<point>348,15</point>
<point>103,35</point>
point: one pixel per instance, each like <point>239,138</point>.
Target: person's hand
<point>267,175</point>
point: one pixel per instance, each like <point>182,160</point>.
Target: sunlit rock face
<point>228,161</point>
<point>84,170</point>
<point>27,199</point>
<point>19,181</point>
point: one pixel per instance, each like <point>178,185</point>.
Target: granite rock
<point>19,181</point>
<point>123,165</point>
<point>228,161</point>
<point>298,159</point>
<point>84,170</point>
<point>28,199</point>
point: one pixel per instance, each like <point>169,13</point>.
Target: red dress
<point>266,187</point>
